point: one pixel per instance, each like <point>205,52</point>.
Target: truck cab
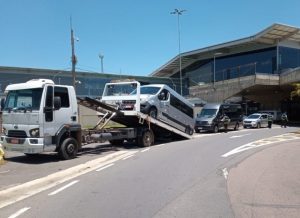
<point>39,116</point>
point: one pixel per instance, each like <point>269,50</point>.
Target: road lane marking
<point>19,192</point>
<point>147,149</point>
<point>159,145</point>
<point>125,158</point>
<point>225,173</point>
<point>63,188</point>
<point>6,171</point>
<point>104,167</point>
<point>262,142</point>
<point>239,136</point>
<point>19,212</point>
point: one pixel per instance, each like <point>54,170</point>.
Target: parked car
<point>276,115</point>
<point>256,120</point>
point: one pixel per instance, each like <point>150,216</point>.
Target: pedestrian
<point>270,121</point>
<point>225,119</point>
<point>284,120</point>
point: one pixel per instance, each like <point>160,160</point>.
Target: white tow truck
<point>40,116</point>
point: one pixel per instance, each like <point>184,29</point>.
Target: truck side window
<point>62,92</point>
<point>49,104</point>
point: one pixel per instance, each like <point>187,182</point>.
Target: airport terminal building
<point>257,71</point>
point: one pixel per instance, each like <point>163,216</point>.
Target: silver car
<point>256,120</point>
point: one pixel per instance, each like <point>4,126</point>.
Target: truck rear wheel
<point>68,149</point>
<point>146,139</point>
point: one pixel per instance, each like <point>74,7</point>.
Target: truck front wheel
<point>68,149</point>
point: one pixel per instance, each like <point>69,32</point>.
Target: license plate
<point>14,141</point>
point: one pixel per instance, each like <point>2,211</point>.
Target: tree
<point>296,91</point>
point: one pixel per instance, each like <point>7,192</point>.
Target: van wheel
<point>189,130</point>
<point>153,112</point>
<point>68,149</point>
<point>146,139</point>
<point>258,126</point>
<point>236,127</point>
<point>216,129</point>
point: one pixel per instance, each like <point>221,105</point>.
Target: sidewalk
<point>267,184</point>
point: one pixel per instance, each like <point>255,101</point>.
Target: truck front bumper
<point>24,145</point>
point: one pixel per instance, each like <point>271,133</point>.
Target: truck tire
<point>146,139</point>
<point>68,149</point>
<point>116,142</point>
<point>153,112</point>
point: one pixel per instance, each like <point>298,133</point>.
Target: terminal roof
<point>269,37</point>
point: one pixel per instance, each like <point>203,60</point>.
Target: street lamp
<point>54,77</point>
<point>101,56</point>
<point>179,12</point>
<point>215,54</point>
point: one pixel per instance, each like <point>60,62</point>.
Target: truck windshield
<point>208,113</point>
<point>25,99</point>
<point>147,90</point>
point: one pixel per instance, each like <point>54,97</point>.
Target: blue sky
<point>135,37</point>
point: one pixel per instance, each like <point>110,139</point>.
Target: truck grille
<point>17,133</point>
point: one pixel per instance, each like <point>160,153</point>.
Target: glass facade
<point>288,58</point>
<point>263,61</point>
<point>232,66</point>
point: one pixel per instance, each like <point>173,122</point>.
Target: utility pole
<point>73,58</point>
<point>179,12</point>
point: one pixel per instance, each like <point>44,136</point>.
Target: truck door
<point>49,125</point>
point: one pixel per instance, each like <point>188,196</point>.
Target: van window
<point>175,102</point>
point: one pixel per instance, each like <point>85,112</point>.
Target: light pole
<point>179,12</point>
<point>101,56</point>
<point>54,77</point>
<point>215,54</point>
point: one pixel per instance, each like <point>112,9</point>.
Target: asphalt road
<point>178,179</point>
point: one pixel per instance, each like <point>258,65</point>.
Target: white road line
<point>19,212</point>
<point>63,188</point>
<point>102,168</point>
<point>147,149</point>
<point>159,145</point>
<point>225,173</point>
<point>239,136</point>
<point>125,158</point>
<point>6,171</point>
<point>262,142</point>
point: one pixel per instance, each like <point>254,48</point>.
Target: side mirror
<point>57,103</point>
<point>161,96</point>
<point>2,103</point>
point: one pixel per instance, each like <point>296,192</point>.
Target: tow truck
<point>40,116</point>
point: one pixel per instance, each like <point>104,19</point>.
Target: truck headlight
<point>34,132</point>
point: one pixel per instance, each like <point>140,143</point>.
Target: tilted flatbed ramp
<point>132,118</point>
